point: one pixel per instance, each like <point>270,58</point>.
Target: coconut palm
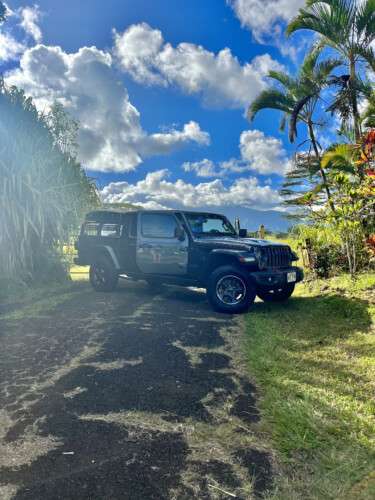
<point>348,27</point>
<point>297,98</point>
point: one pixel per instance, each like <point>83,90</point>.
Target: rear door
<point>159,250</point>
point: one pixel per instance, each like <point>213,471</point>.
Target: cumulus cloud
<point>219,78</point>
<point>203,168</point>
<point>10,48</point>
<point>258,153</point>
<point>111,137</point>
<point>263,17</point>
<point>27,18</point>
<point>263,154</point>
<point>155,190</point>
<point>30,17</point>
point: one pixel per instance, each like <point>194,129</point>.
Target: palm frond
<point>324,69</point>
<point>368,55</point>
<point>270,99</point>
<point>332,19</point>
<point>365,20</point>
<point>339,158</point>
<point>310,60</point>
<point>294,117</point>
<point>280,76</point>
<point>283,121</point>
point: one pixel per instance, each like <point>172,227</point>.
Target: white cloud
<point>26,18</point>
<point>203,168</point>
<point>259,153</point>
<point>219,79</point>
<point>10,48</point>
<point>30,17</point>
<point>263,17</point>
<point>264,154</point>
<point>156,190</point>
<point>111,137</point>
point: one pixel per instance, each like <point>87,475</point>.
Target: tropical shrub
<point>43,191</point>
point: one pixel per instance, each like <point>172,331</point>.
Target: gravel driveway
<point>131,395</point>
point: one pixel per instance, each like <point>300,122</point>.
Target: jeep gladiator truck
<point>189,249</point>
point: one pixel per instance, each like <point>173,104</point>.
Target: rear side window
<point>132,226</point>
<point>158,225</point>
<point>91,228</point>
<point>111,230</point>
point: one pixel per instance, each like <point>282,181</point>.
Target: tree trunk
<point>321,170</point>
<point>353,94</point>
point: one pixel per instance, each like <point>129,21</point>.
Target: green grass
<point>313,359</point>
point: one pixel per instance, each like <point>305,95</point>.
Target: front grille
<point>277,256</point>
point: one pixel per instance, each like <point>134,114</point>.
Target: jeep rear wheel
<point>229,290</point>
<point>103,276</point>
<point>277,295</point>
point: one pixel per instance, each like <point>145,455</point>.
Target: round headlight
<point>261,258</point>
<point>258,253</point>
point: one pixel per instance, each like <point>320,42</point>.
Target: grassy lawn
<point>313,359</point>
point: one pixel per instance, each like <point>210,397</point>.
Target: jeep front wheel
<point>103,276</point>
<point>229,290</point>
<point>277,295</point>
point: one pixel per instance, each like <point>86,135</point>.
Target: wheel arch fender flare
<point>108,252</point>
<point>223,257</point>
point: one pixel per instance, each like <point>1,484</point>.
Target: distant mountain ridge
<point>251,218</point>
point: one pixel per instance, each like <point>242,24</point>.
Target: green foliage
<point>3,12</point>
<point>348,27</point>
<point>43,192</point>
<point>368,115</point>
<point>353,219</point>
<point>297,98</point>
<point>324,247</point>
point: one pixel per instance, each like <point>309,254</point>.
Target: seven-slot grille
<point>277,256</point>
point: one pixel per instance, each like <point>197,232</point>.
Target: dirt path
<point>131,395</point>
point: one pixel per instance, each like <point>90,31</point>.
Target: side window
<point>130,221</point>
<point>158,225</point>
<point>111,230</point>
<point>91,228</point>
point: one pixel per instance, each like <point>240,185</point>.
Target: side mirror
<point>242,233</point>
<point>179,233</point>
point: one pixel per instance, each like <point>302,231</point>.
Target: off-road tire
<point>217,277</point>
<point>278,294</point>
<point>103,275</point>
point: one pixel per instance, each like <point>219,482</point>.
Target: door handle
<point>145,245</point>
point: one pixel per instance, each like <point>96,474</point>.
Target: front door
<point>159,249</point>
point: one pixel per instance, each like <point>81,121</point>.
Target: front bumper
<point>269,278</point>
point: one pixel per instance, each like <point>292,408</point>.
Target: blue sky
<point>161,108</point>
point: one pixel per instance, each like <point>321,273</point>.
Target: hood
<point>236,243</point>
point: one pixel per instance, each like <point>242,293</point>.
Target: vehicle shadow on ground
<point>119,416</point>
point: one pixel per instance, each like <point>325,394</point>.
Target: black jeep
<point>188,249</point>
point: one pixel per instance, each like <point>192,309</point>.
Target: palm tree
<point>348,27</point>
<point>3,12</point>
<point>297,99</point>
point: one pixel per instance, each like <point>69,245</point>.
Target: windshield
<point>210,225</point>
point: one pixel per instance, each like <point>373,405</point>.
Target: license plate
<point>291,277</point>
